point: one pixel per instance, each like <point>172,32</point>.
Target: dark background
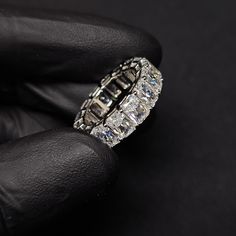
<point>180,177</point>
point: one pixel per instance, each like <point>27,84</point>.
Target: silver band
<point>121,102</point>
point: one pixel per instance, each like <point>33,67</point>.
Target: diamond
<point>146,93</point>
<point>134,109</point>
<point>105,134</point>
<point>147,90</point>
<point>115,120</point>
<point>144,62</point>
<point>126,128</point>
<point>152,80</point>
<point>155,81</point>
<point>153,76</point>
<point>121,123</point>
<point>122,101</point>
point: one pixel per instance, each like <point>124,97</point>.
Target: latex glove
<point>49,63</point>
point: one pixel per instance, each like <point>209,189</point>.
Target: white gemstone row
<point>134,109</point>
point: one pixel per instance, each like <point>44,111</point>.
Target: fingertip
<point>49,172</point>
<point>85,48</point>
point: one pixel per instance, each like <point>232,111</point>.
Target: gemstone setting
<point>122,101</point>
<point>146,93</point>
<point>121,123</point>
<point>134,109</point>
<point>106,135</point>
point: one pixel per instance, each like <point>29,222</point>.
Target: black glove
<point>49,63</point>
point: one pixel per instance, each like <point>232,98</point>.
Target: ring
<point>121,102</point>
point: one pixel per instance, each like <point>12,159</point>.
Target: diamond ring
<point>121,102</point>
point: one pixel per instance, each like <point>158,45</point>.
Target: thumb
<point>49,171</point>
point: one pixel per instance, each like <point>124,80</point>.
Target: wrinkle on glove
<point>49,63</point>
<point>42,174</point>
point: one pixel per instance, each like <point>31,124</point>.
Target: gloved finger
<point>45,108</point>
<point>16,122</point>
<point>45,173</point>
<point>62,99</point>
<point>51,46</point>
<point>55,56</point>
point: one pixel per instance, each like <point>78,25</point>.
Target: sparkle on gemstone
<point>130,103</point>
<point>126,128</point>
<point>153,77</point>
<point>146,93</point>
<point>121,123</point>
<point>107,135</point>
<point>115,120</point>
<point>155,81</point>
<point>134,109</point>
<point>143,83</point>
<point>147,90</point>
<point>150,79</point>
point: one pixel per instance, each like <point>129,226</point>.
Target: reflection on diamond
<point>106,135</point>
<point>146,93</point>
<point>153,76</point>
<point>140,114</point>
<point>147,90</point>
<point>121,123</point>
<point>134,109</point>
<point>135,85</point>
<point>115,120</point>
<point>151,80</point>
<point>130,103</point>
<point>155,80</point>
<point>126,128</point>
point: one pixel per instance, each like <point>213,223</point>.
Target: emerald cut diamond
<point>105,134</point>
<point>121,102</point>
<point>134,109</point>
<point>146,93</point>
<point>121,123</point>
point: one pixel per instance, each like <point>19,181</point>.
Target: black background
<point>180,177</point>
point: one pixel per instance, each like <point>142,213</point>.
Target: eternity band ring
<point>121,102</point>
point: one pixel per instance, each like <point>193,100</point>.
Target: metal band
<point>122,101</point>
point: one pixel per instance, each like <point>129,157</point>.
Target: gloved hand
<point>49,64</point>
